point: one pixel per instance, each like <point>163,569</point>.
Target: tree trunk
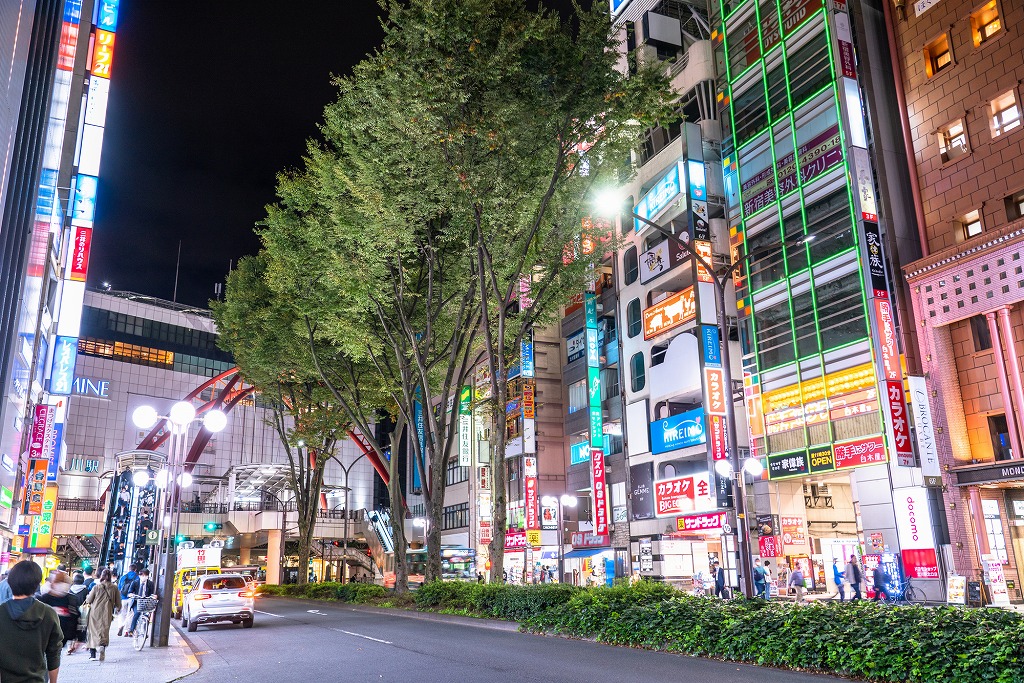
<point>435,508</point>
<point>398,511</point>
<point>499,487</point>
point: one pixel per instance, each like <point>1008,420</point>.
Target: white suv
<point>218,597</point>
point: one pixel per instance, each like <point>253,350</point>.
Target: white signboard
<point>924,431</point>
<point>199,557</point>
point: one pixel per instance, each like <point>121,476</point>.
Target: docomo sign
<point>708,522</point>
<point>681,495</point>
<point>914,529</point>
<point>861,452</point>
<point>670,313</point>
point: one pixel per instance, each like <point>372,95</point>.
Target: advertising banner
<point>661,258</point>
<point>857,453</point>
<point>914,530</point>
<point>716,440</point>
<point>576,346</point>
<point>956,590</point>
<point>665,191</point>
<point>41,536</point>
<point>887,334</point>
<point>793,530</point>
<point>924,431</point>
<point>515,540</point>
<point>62,371</point>
<point>532,499</point>
<point>787,465</point>
<point>683,495</point>
<point>465,426</point>
<point>669,313</point>
<point>997,587</point>
<point>600,488</point>
<point>42,432</point>
<point>81,246</point>
<point>641,480</point>
<point>199,557</point>
<point>588,539</point>
<point>714,382</point>
<point>579,452</point>
<point>712,521</point>
<point>769,546</point>
<point>548,517</point>
<point>898,425</point>
<point>35,486</point>
<point>678,431</point>
<point>526,355</point>
<point>710,345</point>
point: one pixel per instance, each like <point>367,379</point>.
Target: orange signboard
<point>670,313</point>
<point>102,53</point>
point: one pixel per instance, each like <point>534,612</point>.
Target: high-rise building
<point>962,65</point>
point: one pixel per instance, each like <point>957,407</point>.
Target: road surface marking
<point>316,611</point>
<point>269,614</point>
<point>360,635</point>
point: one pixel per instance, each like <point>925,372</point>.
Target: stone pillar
<point>1004,384</point>
<point>275,545</point>
<point>244,555</point>
<point>1016,419</point>
<point>978,515</point>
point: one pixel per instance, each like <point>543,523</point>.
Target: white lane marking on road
<point>360,635</point>
<point>269,614</point>
<point>316,611</point>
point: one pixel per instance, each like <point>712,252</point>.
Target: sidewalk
<point>123,663</point>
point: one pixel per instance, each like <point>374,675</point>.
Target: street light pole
<point>721,279</point>
<point>344,541</point>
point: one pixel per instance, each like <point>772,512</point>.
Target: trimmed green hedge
<point>344,592</point>
<point>876,642</point>
<point>499,600</point>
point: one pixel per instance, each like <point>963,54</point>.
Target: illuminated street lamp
<point>180,417</point>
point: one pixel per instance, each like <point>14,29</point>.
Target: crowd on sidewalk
<point>67,613</point>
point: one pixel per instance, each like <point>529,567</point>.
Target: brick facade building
<point>963,67</point>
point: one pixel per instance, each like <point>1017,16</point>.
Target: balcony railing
<point>80,504</point>
<point>289,506</point>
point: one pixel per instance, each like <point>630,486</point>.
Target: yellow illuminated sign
<point>835,383</point>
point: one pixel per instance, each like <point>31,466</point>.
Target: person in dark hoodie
<point>30,635</point>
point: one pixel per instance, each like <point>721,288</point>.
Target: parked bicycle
<point>907,595</point>
<point>146,607</point>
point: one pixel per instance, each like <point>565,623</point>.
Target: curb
<point>477,622</point>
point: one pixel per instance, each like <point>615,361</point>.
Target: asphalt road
<point>295,640</point>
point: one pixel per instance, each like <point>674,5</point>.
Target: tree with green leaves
<point>529,116</point>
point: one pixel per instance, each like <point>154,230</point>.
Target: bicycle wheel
<point>912,595</point>
<point>141,632</point>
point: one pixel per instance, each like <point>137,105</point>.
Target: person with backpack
<point>853,577</point>
<point>126,585</point>
<point>881,578</point>
<point>761,580</point>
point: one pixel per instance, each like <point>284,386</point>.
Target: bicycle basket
<point>146,604</point>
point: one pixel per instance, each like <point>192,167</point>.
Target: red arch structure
<point>232,391</point>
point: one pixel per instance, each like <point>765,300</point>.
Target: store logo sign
<point>62,372</point>
<point>678,431</point>
<point>668,187</point>
<point>86,386</point>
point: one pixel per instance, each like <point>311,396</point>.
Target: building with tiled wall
<point>962,66</point>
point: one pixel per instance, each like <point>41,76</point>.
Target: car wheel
<point>184,620</point>
<point>192,626</point>
<point>247,623</point>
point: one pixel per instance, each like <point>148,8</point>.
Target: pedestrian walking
<point>126,585</point>
<point>64,603</point>
<point>761,580</point>
<point>853,577</point>
<point>796,583</point>
<point>90,580</point>
<point>837,576</point>
<point>880,579</point>
<point>80,589</point>
<point>719,574</point>
<point>30,635</point>
<point>5,590</point>
<point>104,601</point>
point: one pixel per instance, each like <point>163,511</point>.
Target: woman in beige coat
<point>104,601</point>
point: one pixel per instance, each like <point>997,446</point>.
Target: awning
<point>586,552</point>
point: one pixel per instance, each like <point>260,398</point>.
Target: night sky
<point>206,106</point>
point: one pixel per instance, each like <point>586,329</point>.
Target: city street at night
<point>305,640</point>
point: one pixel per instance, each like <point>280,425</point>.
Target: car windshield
<point>223,582</point>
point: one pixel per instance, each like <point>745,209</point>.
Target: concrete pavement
<point>298,640</point>
<point>123,664</point>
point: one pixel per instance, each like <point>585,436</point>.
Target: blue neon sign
<point>678,431</point>
<point>664,192</point>
<point>106,15</point>
<point>62,371</point>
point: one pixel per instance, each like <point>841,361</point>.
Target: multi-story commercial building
<point>136,350</point>
<point>962,65</point>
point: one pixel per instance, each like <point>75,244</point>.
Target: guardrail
<point>80,504</point>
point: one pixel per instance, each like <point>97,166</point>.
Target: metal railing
<point>204,508</point>
<point>80,504</point>
<point>289,506</point>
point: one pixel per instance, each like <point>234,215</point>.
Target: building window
<point>952,141</point>
<point>985,23</point>
<point>626,218</point>
<point>971,224</point>
<point>455,516</point>
<point>937,55</point>
<point>578,399</point>
<point>637,371</point>
<point>1004,114</point>
<point>1015,206</point>
<point>634,321</point>
<point>994,529</point>
<point>630,265</point>
<point>454,474</point>
<point>980,333</point>
<point>1000,437</point>
<point>609,383</point>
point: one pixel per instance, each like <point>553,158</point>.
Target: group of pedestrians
<point>853,576</point>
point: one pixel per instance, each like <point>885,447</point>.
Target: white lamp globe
<point>161,479</point>
<point>185,480</point>
<point>140,478</point>
<point>753,467</point>
<point>215,420</point>
<point>145,417</point>
<point>608,202</point>
<point>182,413</point>
<point>550,501</point>
<point>568,501</point>
<point>723,468</point>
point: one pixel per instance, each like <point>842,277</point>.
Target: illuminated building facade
<point>816,198</point>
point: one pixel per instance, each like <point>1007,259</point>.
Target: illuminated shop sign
<point>576,346</point>
<point>86,386</point>
<point>96,104</point>
<point>683,495</point>
<point>713,521</point>
<point>678,431</point>
<point>62,371</point>
<point>83,205</point>
<point>870,451</point>
<point>669,313</point>
<point>81,246</point>
<point>106,15</point>
<point>661,258</point>
<point>616,6</point>
<point>579,452</point>
<point>102,53</point>
<point>658,198</point>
